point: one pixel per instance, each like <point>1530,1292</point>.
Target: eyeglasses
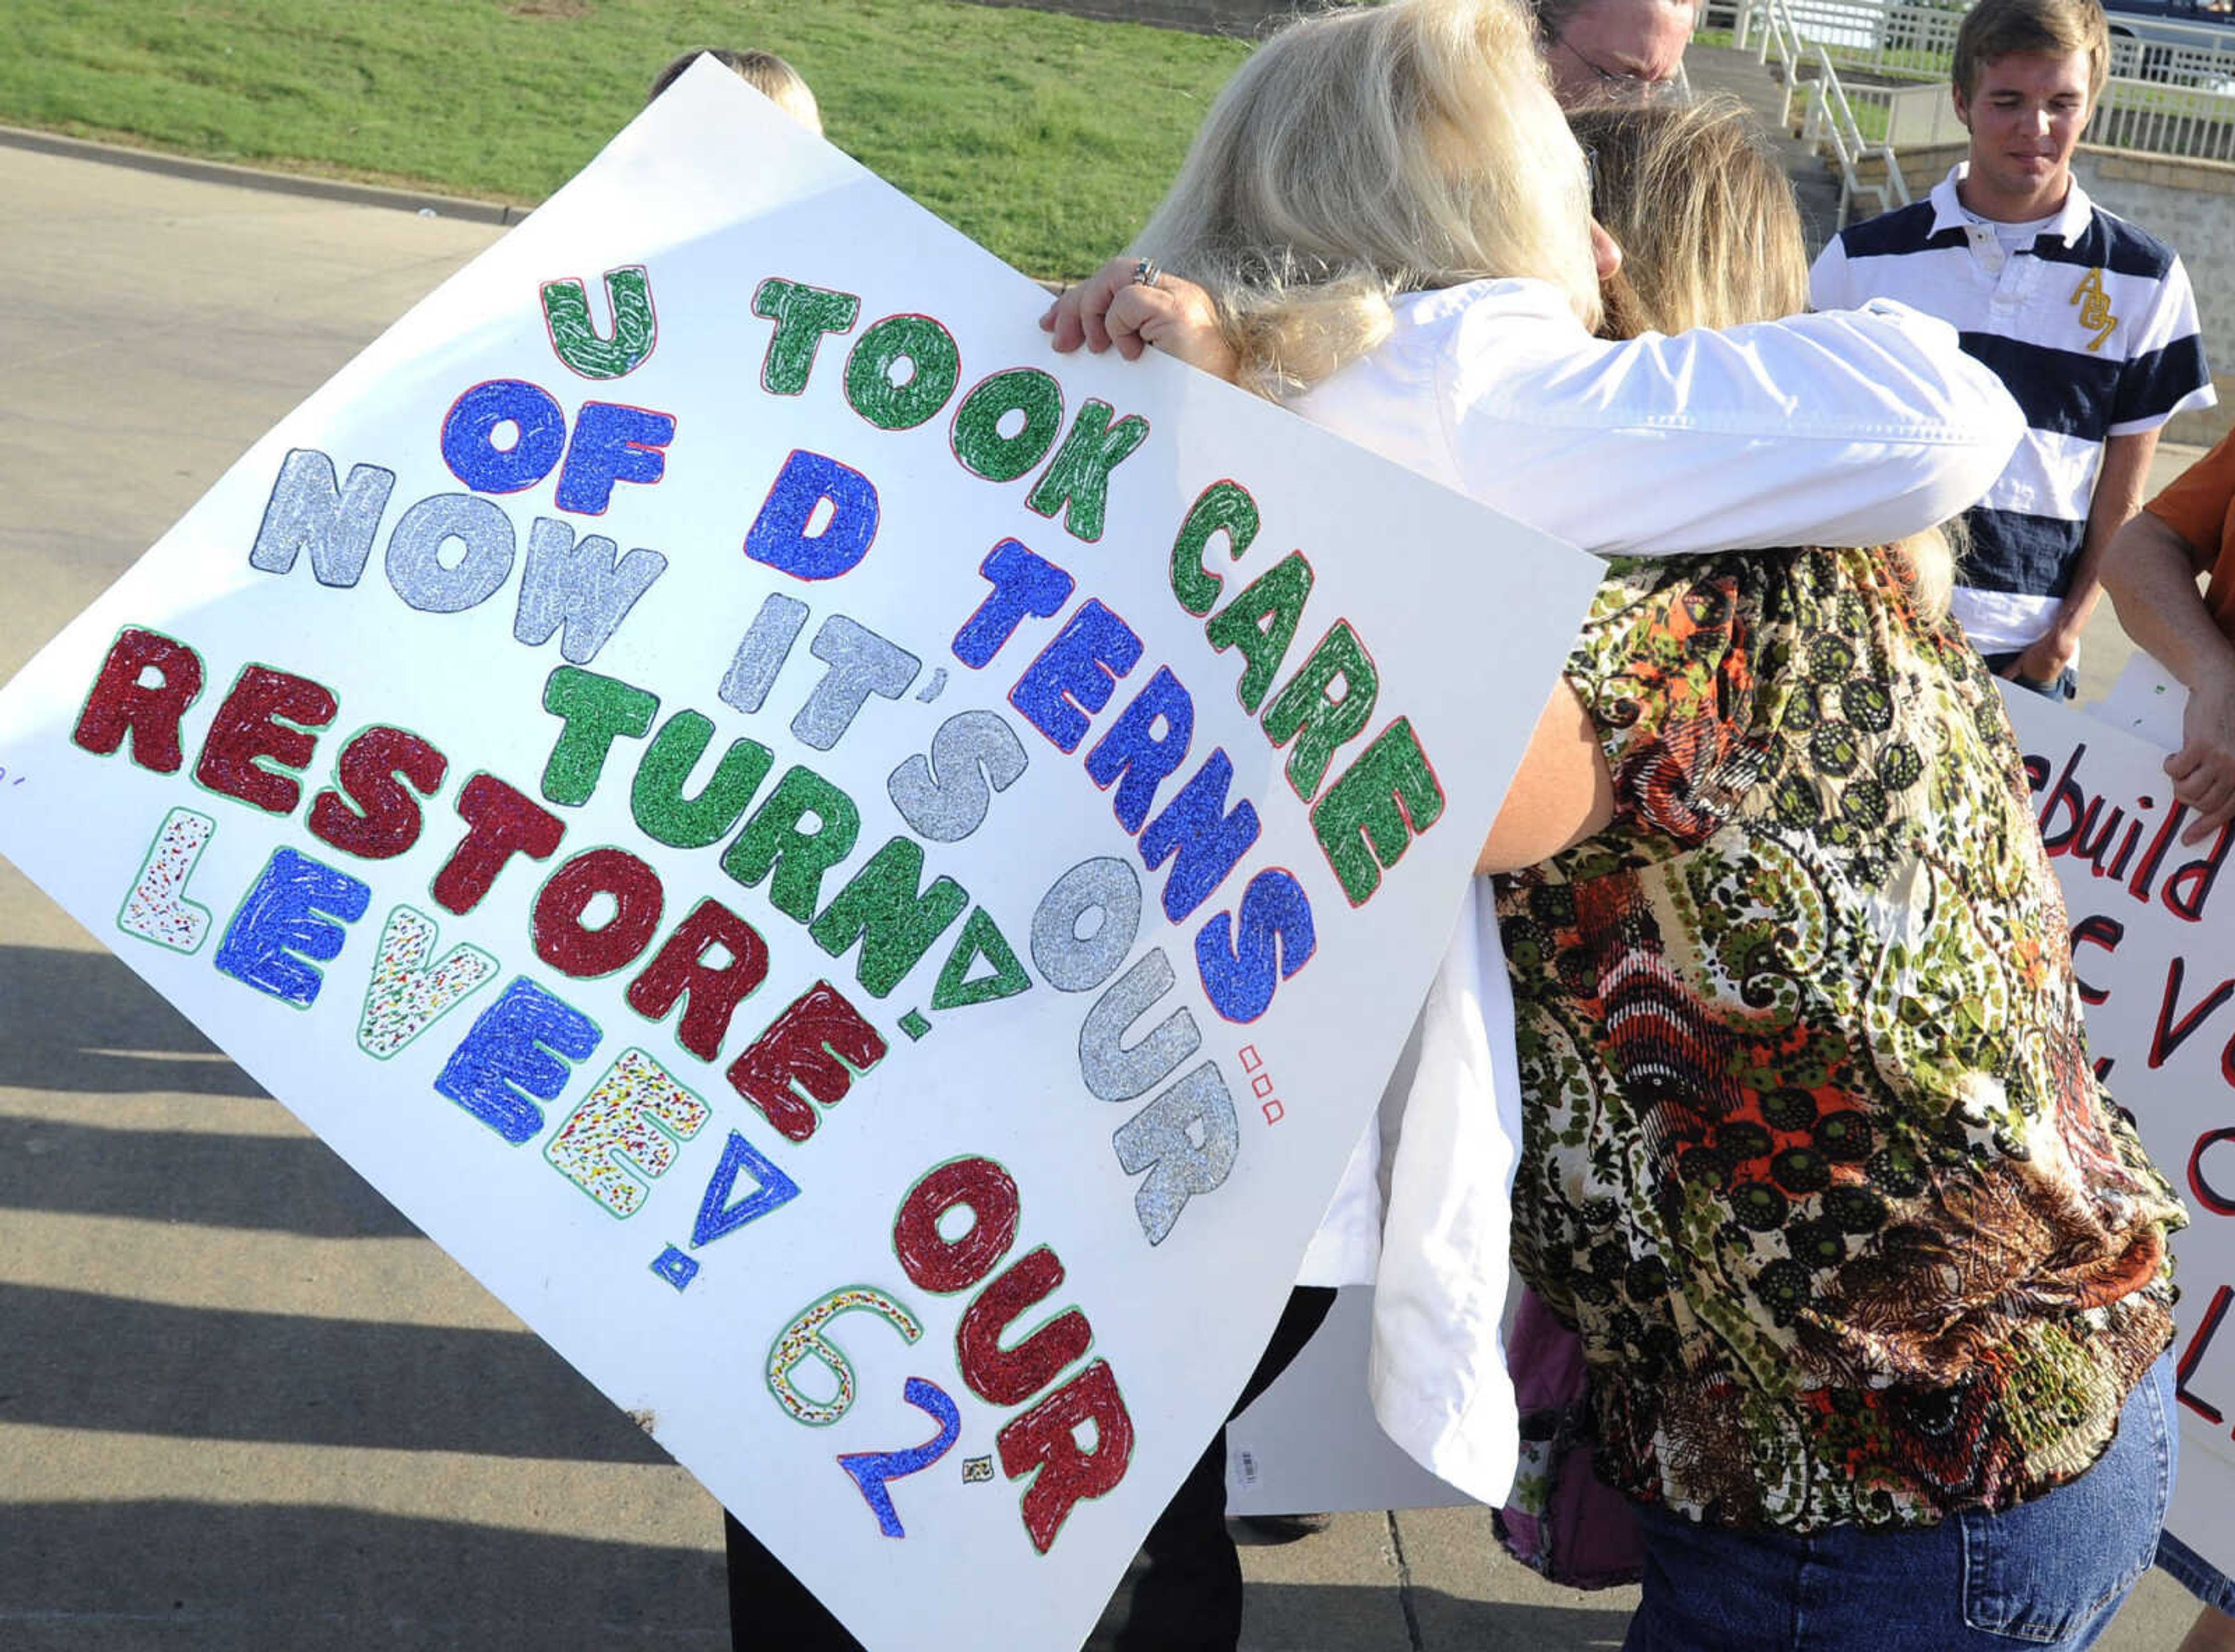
<point>1619,87</point>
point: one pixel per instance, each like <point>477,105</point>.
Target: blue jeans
<point>2066,685</point>
<point>2196,1575</point>
<point>2047,1574</point>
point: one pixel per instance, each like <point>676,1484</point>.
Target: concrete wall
<point>1243,18</point>
<point>2191,205</point>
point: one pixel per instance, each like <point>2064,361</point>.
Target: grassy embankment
<point>1046,138</point>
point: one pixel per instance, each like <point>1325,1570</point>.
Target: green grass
<point>1046,138</point>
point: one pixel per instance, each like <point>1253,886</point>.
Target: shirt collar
<point>1948,213</point>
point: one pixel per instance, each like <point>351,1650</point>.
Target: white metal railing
<point>1828,120</point>
<point>2193,123</point>
<point>1907,39</point>
<point>2172,90</point>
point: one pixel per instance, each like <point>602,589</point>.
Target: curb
<point>283,183</point>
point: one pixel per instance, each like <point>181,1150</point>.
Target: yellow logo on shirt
<point>2095,312</point>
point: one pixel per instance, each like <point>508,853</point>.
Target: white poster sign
<point>2153,944</point>
<point>861,876</point>
<point>2146,702</point>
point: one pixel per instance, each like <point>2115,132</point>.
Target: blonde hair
<point>1995,29</point>
<point>1928,562</point>
<point>1366,152</point>
<point>1711,237</point>
<point>1705,217</point>
<point>764,71</point>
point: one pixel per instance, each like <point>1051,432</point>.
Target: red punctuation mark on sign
<point>1261,1084</point>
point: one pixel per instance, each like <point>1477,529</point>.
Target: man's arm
<point>2118,496</point>
<point>2151,574</point>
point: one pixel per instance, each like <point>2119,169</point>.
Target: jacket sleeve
<point>1845,427</point>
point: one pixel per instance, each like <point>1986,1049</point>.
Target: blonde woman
<point>1871,1281</point>
<point>1355,195</point>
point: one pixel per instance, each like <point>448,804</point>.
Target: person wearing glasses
<point>1613,51</point>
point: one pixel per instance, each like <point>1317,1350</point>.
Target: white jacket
<point>1851,427</point>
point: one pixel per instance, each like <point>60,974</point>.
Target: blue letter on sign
<point>510,1050</point>
<point>1237,960</point>
<point>779,536</point>
<point>1024,582</point>
<point>539,436</point>
<point>280,916</point>
<point>612,442</point>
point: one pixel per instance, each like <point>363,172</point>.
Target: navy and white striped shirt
<point>2093,330</point>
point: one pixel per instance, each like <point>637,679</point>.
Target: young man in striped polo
<point>2089,322</point>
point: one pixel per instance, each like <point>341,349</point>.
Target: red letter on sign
<point>945,1265</point>
<point>815,1046</point>
<point>2221,1202</point>
<point>120,702</point>
<point>501,823</point>
<point>1010,1376</point>
<point>248,730</point>
<point>571,947</point>
<point>374,816</point>
<point>715,993</point>
<point>1043,1439</point>
<point>2192,1355</point>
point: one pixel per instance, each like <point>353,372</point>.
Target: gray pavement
<point>243,1404</point>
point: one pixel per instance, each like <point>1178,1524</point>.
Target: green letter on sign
<point>802,314</point>
<point>1224,507</point>
<point>1383,801</point>
<point>575,336</point>
<point>1076,481</point>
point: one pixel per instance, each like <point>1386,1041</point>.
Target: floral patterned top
<point>1814,1157</point>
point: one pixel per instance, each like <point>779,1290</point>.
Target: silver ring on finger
<point>1146,274</point>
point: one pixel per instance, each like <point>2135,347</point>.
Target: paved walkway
<point>244,1407</point>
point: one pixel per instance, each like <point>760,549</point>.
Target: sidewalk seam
<point>1405,1600</point>
<point>279,183</point>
